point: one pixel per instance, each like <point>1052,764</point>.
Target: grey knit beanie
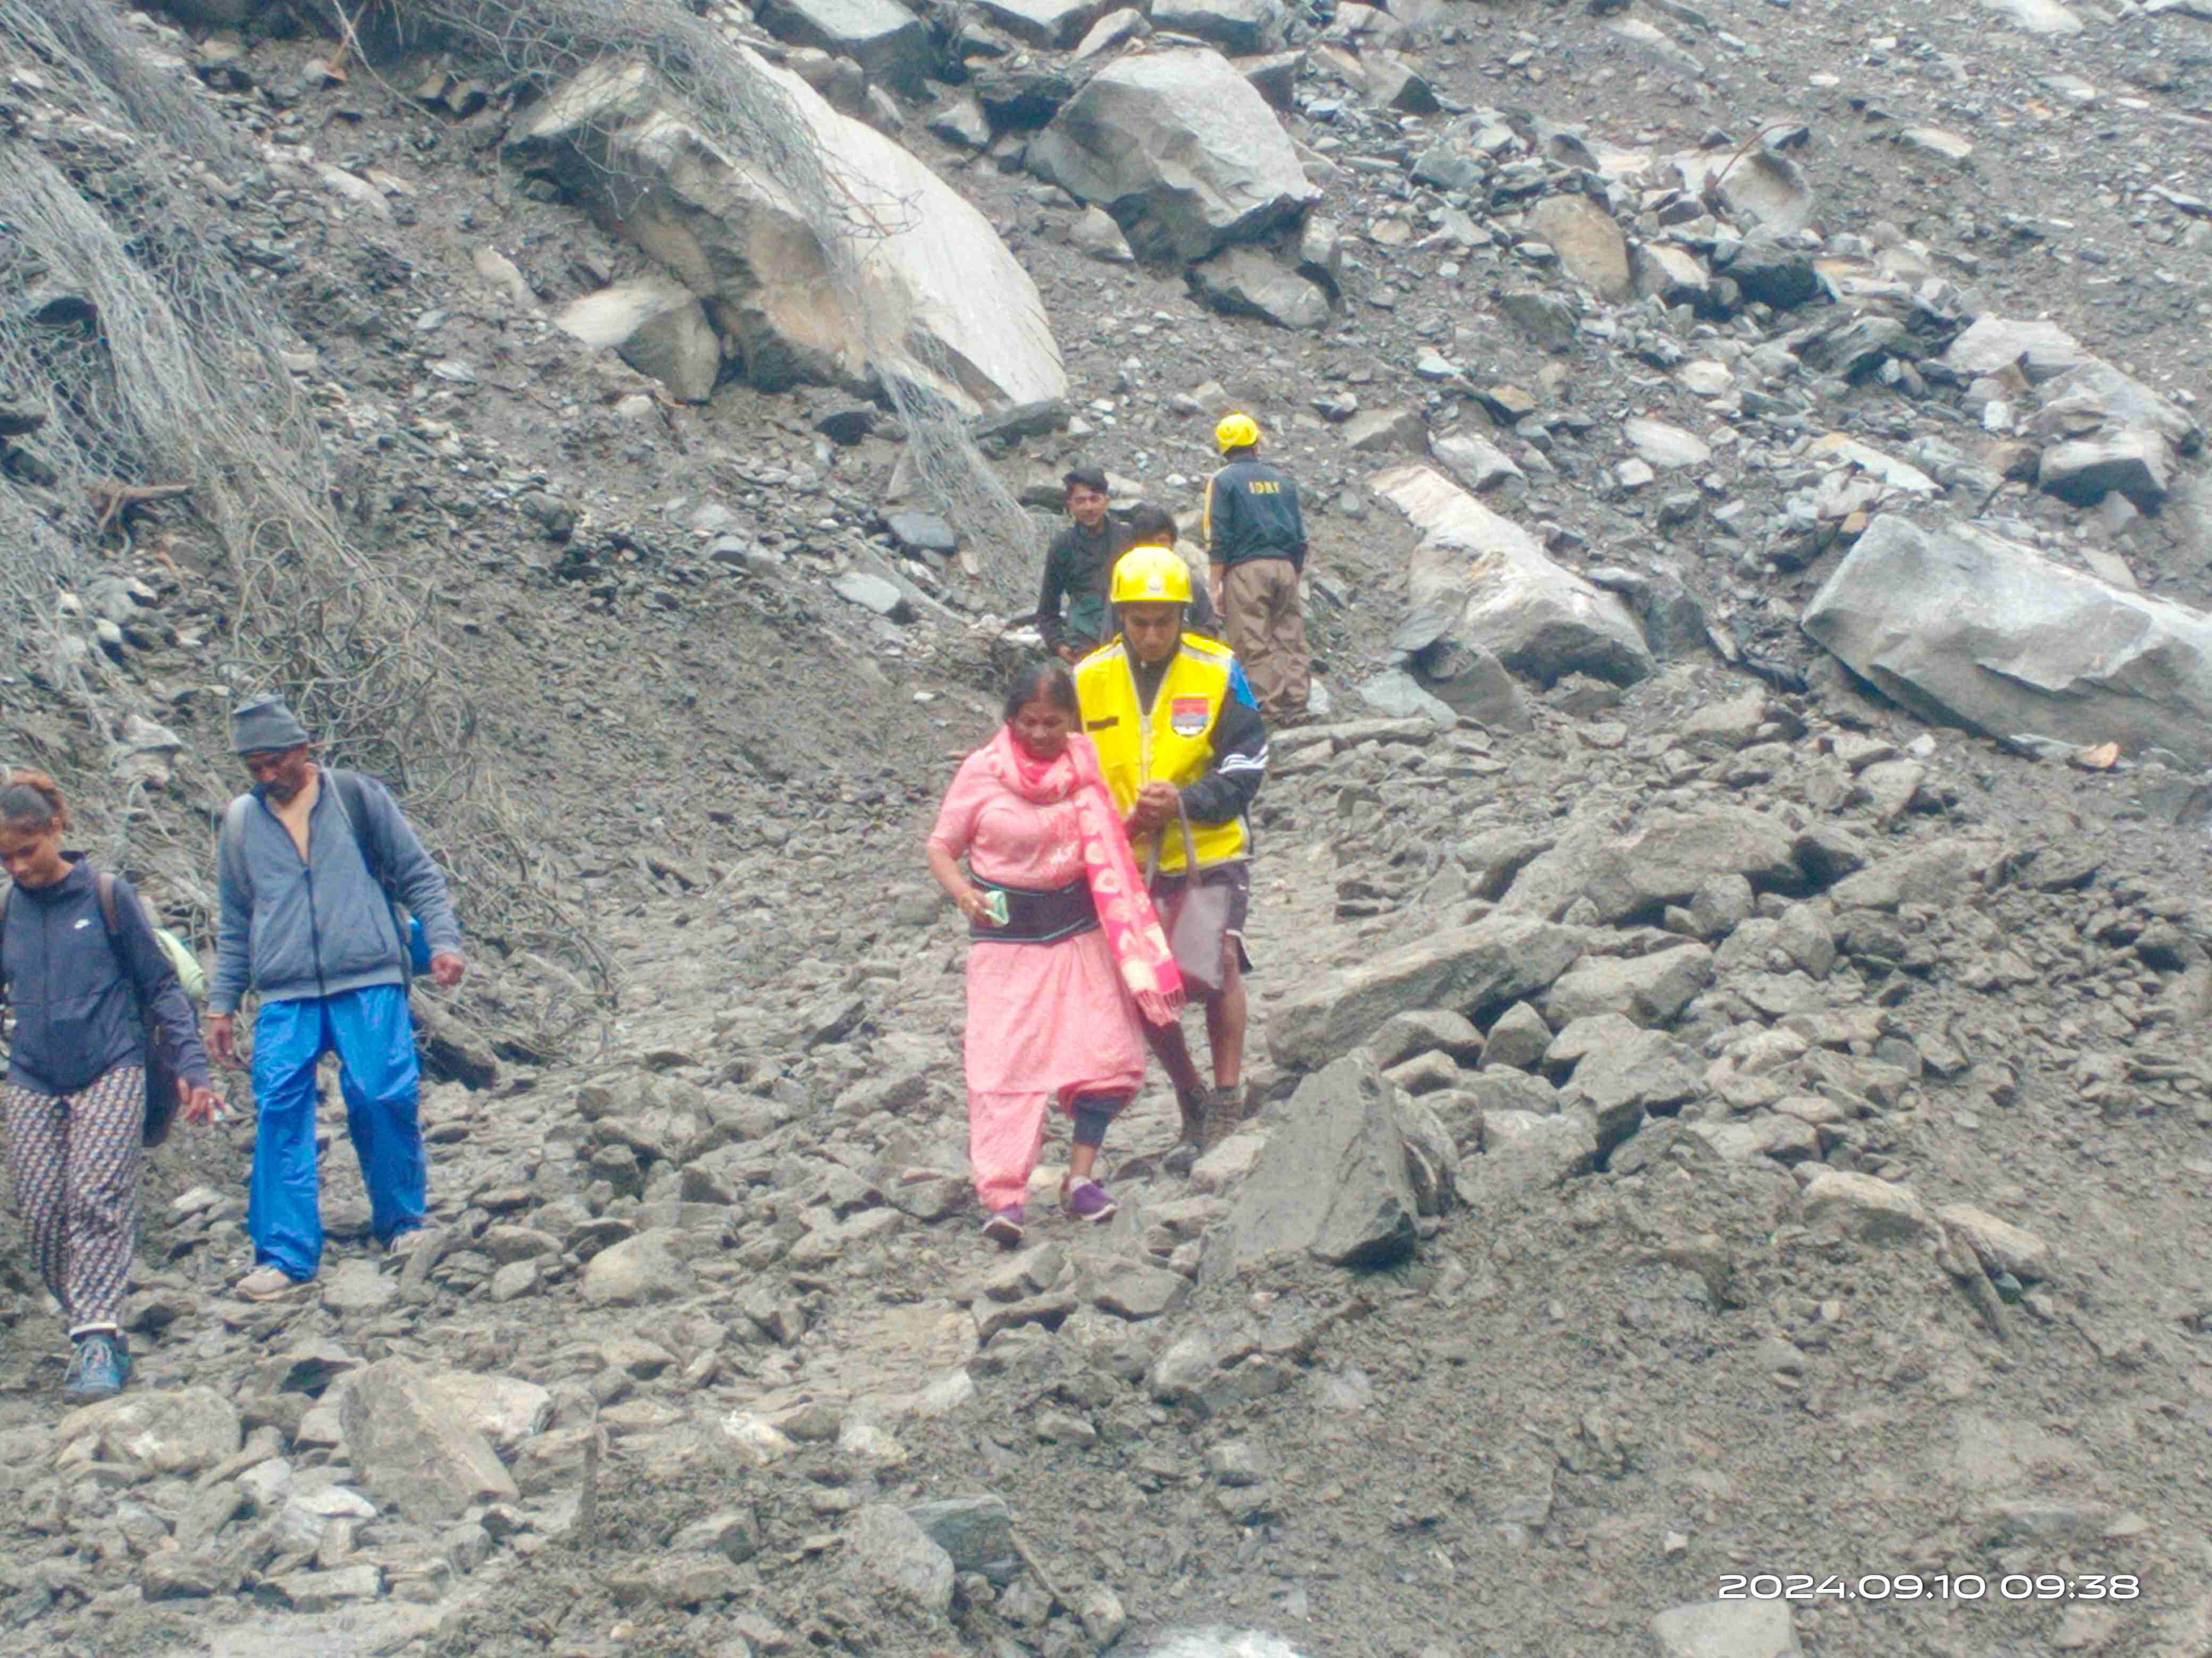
<point>265,722</point>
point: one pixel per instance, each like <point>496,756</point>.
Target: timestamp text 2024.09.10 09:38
<point>1907,1586</point>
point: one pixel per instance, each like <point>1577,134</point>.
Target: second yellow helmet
<point>1235,431</point>
<point>1151,575</point>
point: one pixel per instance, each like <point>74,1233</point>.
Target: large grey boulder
<point>1652,990</point>
<point>1527,1151</point>
<point>881,36</point>
<point>1961,626</point>
<point>638,1271</point>
<point>2096,387</point>
<point>1470,970</point>
<point>1479,578</point>
<point>1240,27</point>
<point>412,1450</point>
<point>1057,24</point>
<point>1475,461</point>
<point>977,1531</point>
<point>1774,274</point>
<point>894,1549</point>
<point>505,1409</point>
<point>2041,350</point>
<point>1589,241</point>
<point>2135,461</point>
<point>1243,282</point>
<point>940,300</point>
<point>1863,1207</point>
<point>1397,694</point>
<point>1473,682</point>
<point>655,325</point>
<point>1667,861</point>
<point>1181,150</point>
<point>1332,1182</point>
<point>1937,874</point>
<point>1617,1083</point>
<point>152,1434</point>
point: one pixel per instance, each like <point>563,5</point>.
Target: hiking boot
<point>269,1284</point>
<point>98,1369</point>
<point>1224,1110</point>
<point>1191,1107</point>
<point>407,1242</point>
<point>1086,1200</point>
<point>1004,1228</point>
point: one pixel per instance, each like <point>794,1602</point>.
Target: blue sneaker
<point>98,1371</point>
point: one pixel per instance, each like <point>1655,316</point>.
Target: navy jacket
<point>293,927</point>
<point>76,993</point>
<point>1252,512</point>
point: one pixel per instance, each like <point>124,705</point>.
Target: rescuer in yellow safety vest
<point>1179,735</point>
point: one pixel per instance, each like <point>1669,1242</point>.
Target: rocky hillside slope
<point>1732,1095</point>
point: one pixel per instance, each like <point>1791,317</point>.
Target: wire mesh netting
<point>739,107</point>
<point>154,356</point>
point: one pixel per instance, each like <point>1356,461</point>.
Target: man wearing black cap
<point>1078,567</point>
<point>310,864</point>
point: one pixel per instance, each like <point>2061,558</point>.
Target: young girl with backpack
<point>81,969</point>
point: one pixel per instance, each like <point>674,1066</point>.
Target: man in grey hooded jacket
<point>309,863</point>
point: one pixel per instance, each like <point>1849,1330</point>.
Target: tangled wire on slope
<point>740,108</point>
<point>155,356</point>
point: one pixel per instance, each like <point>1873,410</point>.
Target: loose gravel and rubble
<point>1767,1123</point>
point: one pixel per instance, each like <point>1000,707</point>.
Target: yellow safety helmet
<point>1152,575</point>
<point>1235,431</point>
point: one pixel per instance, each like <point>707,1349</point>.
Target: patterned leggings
<point>75,1160</point>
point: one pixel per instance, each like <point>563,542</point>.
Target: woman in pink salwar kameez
<point>1066,956</point>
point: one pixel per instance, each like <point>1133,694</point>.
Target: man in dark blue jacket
<point>1255,550</point>
<point>310,862</point>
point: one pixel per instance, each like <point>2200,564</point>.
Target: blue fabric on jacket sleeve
<point>1241,688</point>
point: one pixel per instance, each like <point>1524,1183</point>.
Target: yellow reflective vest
<point>1170,742</point>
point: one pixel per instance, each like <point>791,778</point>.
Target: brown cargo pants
<point>1266,621</point>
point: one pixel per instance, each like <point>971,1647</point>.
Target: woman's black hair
<point>1152,526</point>
<point>1047,681</point>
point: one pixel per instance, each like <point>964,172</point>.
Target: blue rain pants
<point>372,1034</point>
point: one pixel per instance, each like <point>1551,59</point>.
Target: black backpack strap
<point>355,804</point>
<point>354,800</point>
<point>103,883</point>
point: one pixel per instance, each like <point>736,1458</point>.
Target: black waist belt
<point>1039,918</point>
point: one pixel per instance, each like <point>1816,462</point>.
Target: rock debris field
<point>1731,1169</point>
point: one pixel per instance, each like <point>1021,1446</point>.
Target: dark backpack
<point>415,943</point>
<point>161,1067</point>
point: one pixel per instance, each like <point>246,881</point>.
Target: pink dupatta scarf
<point>1125,908</point>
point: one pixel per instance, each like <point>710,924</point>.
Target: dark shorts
<point>1236,878</point>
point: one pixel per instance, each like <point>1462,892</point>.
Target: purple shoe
<point>1087,1200</point>
<point>1004,1228</point>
